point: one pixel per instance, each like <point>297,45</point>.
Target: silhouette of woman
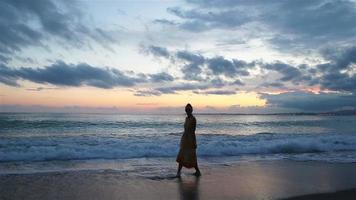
<point>187,156</point>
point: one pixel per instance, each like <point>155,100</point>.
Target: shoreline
<point>247,180</point>
<point>349,194</point>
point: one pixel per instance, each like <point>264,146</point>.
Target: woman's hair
<point>189,105</point>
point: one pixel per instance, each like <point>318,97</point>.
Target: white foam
<point>95,147</point>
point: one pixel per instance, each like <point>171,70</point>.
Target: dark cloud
<point>234,3</point>
<point>339,59</point>
<point>4,59</point>
<point>63,74</point>
<point>49,15</point>
<point>38,89</point>
<point>170,89</point>
<point>190,57</point>
<point>237,82</point>
<point>220,65</point>
<point>311,102</point>
<point>165,22</point>
<point>273,85</point>
<point>216,92</point>
<point>157,51</point>
<point>181,87</point>
<point>339,72</point>
<point>147,93</point>
<point>53,20</point>
<point>336,74</point>
<point>8,76</point>
<point>289,72</point>
<point>161,77</point>
<point>295,24</point>
<point>196,67</point>
<point>339,82</point>
<point>192,86</point>
<point>193,64</point>
<point>200,20</point>
<point>217,82</point>
<point>314,18</point>
<point>192,71</point>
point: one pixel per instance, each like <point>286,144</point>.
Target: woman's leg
<point>179,169</point>
<point>197,171</point>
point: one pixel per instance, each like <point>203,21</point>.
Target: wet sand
<point>249,180</point>
<point>341,195</point>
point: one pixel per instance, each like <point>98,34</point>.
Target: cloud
<point>164,22</point>
<point>339,58</point>
<point>220,65</point>
<point>196,67</point>
<point>287,24</point>
<point>32,23</point>
<point>8,76</point>
<point>157,51</point>
<point>305,101</point>
<point>192,67</point>
<point>339,82</point>
<point>147,93</point>
<point>199,20</point>
<point>273,85</point>
<point>339,73</point>
<point>196,87</point>
<point>290,73</point>
<point>237,82</point>
<point>216,92</point>
<point>161,77</point>
<point>62,74</point>
<point>316,18</point>
<point>38,89</point>
<point>190,57</point>
<point>181,87</point>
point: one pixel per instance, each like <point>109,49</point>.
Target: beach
<point>244,180</point>
<point>113,156</point>
<point>131,100</point>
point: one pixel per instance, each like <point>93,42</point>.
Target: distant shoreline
<point>336,113</point>
<point>349,194</point>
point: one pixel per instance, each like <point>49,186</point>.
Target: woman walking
<point>187,156</point>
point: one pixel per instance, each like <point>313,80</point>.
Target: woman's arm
<point>194,124</point>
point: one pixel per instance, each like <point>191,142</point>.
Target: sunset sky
<point>155,56</point>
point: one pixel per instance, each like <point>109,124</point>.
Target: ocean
<point>41,142</point>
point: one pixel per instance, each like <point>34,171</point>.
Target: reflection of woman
<point>189,189</point>
<point>187,156</point>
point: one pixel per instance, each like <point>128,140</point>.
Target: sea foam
<point>124,147</point>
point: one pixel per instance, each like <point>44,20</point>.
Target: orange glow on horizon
<point>118,97</point>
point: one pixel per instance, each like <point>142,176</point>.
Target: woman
<point>187,156</point>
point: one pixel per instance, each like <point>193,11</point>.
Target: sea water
<point>37,142</point>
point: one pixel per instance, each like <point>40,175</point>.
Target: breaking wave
<point>124,147</point>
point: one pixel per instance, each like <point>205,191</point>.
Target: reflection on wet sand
<point>189,188</point>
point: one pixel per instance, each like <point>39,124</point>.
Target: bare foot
<point>178,175</point>
<point>197,174</point>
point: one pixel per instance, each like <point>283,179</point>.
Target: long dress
<point>187,153</point>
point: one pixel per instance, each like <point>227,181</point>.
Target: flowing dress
<point>187,153</point>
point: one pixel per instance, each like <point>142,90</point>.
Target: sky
<point>148,56</point>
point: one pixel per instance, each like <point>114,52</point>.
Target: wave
<point>53,124</point>
<point>124,147</point>
<point>39,122</point>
